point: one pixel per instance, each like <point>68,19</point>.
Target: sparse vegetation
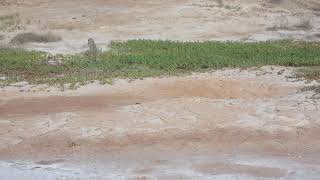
<point>4,47</point>
<point>310,74</point>
<point>314,88</point>
<point>302,24</point>
<point>9,22</point>
<point>33,37</point>
<point>145,58</point>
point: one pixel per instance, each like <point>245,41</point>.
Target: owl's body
<point>92,46</point>
<point>93,50</point>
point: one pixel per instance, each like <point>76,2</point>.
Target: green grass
<point>147,58</point>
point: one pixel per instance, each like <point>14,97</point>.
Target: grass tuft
<point>9,22</point>
<point>33,37</point>
<point>308,73</point>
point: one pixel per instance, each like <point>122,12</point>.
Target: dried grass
<point>33,37</point>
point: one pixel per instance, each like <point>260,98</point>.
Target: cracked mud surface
<point>228,124</point>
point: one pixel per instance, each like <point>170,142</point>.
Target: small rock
<point>281,72</point>
<point>53,61</point>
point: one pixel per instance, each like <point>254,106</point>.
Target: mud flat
<point>247,124</point>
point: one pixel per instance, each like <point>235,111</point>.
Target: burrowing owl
<point>93,50</point>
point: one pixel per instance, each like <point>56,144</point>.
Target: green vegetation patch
<point>146,58</point>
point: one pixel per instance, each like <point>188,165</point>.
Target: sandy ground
<point>228,124</point>
<point>107,20</point>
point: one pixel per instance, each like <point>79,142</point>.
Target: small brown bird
<point>93,50</point>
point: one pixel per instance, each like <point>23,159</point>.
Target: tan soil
<point>229,124</point>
